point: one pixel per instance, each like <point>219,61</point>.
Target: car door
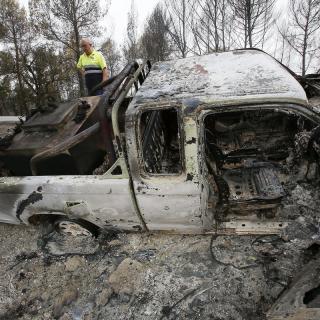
<point>163,161</point>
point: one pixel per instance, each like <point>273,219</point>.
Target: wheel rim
<point>72,228</point>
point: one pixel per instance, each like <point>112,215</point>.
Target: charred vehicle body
<point>209,144</point>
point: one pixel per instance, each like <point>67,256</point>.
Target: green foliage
<point>13,21</point>
<point>5,94</point>
<point>14,27</point>
<point>40,51</point>
<point>6,63</point>
<point>66,22</point>
<point>44,73</point>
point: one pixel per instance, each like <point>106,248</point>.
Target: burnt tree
<point>302,30</point>
<point>252,20</point>
<point>154,42</point>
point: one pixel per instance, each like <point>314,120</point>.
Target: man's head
<point>86,45</point>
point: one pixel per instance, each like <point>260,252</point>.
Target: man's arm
<point>105,74</point>
<point>103,66</point>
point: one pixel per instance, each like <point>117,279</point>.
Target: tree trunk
<point>216,35</point>
<point>223,24</point>
<point>184,29</point>
<point>249,23</point>
<point>22,103</point>
<point>77,44</point>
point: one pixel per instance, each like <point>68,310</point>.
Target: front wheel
<point>71,237</point>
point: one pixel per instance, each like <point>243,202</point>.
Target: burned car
<point>210,144</point>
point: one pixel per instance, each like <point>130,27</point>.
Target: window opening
<point>160,141</point>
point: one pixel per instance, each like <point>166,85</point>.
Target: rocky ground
<point>153,276</point>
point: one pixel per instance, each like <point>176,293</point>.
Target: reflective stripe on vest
<point>92,71</point>
<point>92,68</point>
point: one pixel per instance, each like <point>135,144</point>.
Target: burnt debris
<point>251,156</point>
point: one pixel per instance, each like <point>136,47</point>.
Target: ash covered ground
<point>155,276</point>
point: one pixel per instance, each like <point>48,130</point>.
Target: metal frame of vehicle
<point>138,201</point>
<point>246,224</point>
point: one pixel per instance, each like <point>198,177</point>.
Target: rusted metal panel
<point>48,129</point>
<point>39,135</point>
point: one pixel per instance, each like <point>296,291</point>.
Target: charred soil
<point>157,276</point>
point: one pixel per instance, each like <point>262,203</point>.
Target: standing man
<point>92,65</point>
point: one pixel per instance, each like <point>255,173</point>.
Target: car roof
<point>235,77</point>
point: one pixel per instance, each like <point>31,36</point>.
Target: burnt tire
<point>71,237</point>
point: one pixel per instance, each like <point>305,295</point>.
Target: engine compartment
<point>254,157</point>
